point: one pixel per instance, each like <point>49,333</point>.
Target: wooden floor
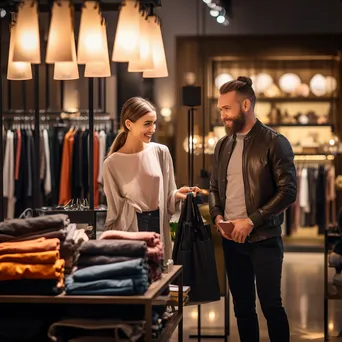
<point>302,291</point>
<point>304,239</point>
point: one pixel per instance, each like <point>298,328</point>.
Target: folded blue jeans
<point>126,287</point>
<point>125,269</point>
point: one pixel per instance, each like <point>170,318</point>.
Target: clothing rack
<point>38,118</point>
<point>318,158</point>
<point>320,208</point>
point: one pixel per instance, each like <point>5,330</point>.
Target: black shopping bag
<point>193,249</point>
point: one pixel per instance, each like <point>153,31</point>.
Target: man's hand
<point>181,193</point>
<point>218,220</point>
<point>242,228</point>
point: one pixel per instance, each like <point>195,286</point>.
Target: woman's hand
<point>181,193</point>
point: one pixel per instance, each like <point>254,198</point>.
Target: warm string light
<point>138,41</point>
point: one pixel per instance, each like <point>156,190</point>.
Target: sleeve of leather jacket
<point>284,176</point>
<point>214,197</point>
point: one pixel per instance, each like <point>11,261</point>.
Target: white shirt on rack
<point>102,152</point>
<point>8,174</point>
<point>304,201</point>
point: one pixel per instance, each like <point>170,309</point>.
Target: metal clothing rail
<point>45,6</point>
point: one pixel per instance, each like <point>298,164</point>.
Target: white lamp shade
<point>67,70</point>
<point>272,91</point>
<point>221,79</point>
<point>261,82</point>
<point>60,46</point>
<point>331,84</point>
<point>101,68</point>
<point>27,44</point>
<point>318,85</point>
<point>289,82</point>
<point>159,59</point>
<point>127,33</point>
<point>91,45</point>
<point>145,55</point>
<point>17,71</point>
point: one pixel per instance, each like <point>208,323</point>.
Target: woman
<point>138,176</point>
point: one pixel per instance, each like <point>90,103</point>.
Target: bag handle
<point>189,204</point>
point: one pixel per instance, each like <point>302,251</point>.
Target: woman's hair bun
<point>245,79</point>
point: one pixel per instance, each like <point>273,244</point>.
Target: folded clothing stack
<point>155,248</point>
<point>31,267</point>
<point>50,227</point>
<point>174,293</point>
<point>110,267</point>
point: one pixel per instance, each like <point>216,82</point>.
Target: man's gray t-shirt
<point>235,191</point>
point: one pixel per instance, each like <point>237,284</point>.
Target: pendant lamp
<point>27,44</point>
<point>127,33</point>
<point>60,45</point>
<point>102,68</point>
<point>17,71</point>
<point>90,42</point>
<point>159,59</point>
<point>67,70</point>
<point>145,59</point>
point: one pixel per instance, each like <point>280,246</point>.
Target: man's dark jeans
<point>261,261</point>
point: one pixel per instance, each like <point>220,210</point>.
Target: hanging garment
<point>21,182</point>
<point>102,152</point>
<point>330,196</point>
<point>57,154</point>
<point>30,162</point>
<point>65,182</point>
<point>304,191</point>
<point>47,181</point>
<point>8,175</point>
<point>85,164</point>
<point>76,180</point>
<point>96,169</point>
<point>320,202</point>
<point>17,154</point>
<point>312,177</point>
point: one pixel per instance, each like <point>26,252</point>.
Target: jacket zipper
<point>245,179</point>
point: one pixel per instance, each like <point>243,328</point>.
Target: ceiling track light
<point>219,9</point>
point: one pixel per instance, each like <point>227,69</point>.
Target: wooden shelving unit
<point>148,299</point>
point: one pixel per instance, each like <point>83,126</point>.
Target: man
<point>253,182</point>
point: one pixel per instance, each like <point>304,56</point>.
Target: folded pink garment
<point>152,239</point>
<point>155,253</point>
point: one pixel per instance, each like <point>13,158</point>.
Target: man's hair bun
<point>245,79</point>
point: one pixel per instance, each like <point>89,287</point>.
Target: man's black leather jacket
<point>269,177</point>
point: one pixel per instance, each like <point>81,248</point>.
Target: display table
<point>148,299</point>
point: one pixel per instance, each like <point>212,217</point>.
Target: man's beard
<point>238,123</point>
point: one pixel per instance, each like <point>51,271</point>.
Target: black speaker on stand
<point>191,98</point>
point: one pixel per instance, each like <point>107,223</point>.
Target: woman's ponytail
<point>118,142</point>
